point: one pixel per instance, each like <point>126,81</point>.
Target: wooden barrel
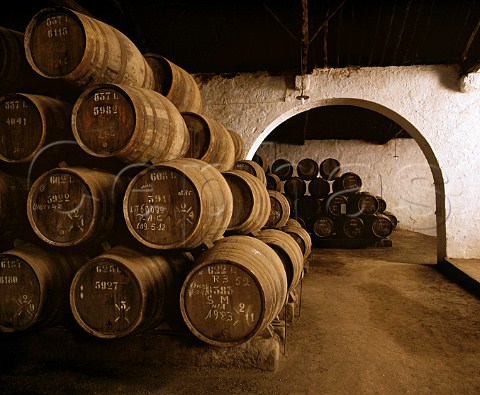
<point>307,169</point>
<point>347,183</point>
<point>324,227</point>
<point>234,291</point>
<point>210,141</point>
<point>239,145</point>
<point>377,225</point>
<point>319,188</point>
<point>124,291</point>
<point>288,251</point>
<point>176,84</point>
<point>251,167</point>
<point>335,204</point>
<point>129,123</point>
<point>295,187</point>
<point>382,204</point>
<point>280,210</point>
<point>301,237</point>
<point>13,200</point>
<point>282,168</point>
<point>251,202</point>
<point>350,227</point>
<point>62,43</point>
<point>261,159</point>
<point>273,182</point>
<point>16,75</point>
<point>30,122</point>
<point>180,203</point>
<point>73,206</point>
<point>293,222</point>
<point>34,286</point>
<point>362,203</point>
<point>392,218</point>
<point>329,169</point>
<point>308,208</point>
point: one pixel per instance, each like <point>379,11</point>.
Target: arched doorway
<point>425,147</point>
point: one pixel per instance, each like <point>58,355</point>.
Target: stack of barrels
<point>330,204</point>
<point>146,212</point>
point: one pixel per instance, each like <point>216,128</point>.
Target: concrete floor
<point>375,321</point>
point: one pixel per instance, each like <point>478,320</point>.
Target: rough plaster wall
<point>405,183</point>
<point>425,100</point>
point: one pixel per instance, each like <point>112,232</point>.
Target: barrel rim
<point>32,24</point>
<point>194,330</point>
<point>95,209</point>
<point>245,181</point>
<point>76,313</point>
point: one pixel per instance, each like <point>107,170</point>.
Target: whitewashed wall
<point>405,183</point>
<point>425,100</point>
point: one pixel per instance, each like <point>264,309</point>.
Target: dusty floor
<point>373,321</point>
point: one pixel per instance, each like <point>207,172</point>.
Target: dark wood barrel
<point>308,208</point>
<point>135,125</point>
<point>125,291</point>
<point>330,169</point>
<point>210,141</point>
<point>350,227</point>
<point>16,75</point>
<point>301,237</point>
<point>324,227</point>
<point>74,206</point>
<point>282,168</point>
<point>273,182</point>
<point>362,203</point>
<point>392,218</point>
<point>30,122</point>
<point>295,187</point>
<point>307,169</point>
<point>288,251</point>
<point>261,159</point>
<point>13,201</point>
<point>234,291</point>
<point>335,204</point>
<point>280,210</point>
<point>377,226</point>
<point>181,203</point>
<point>319,188</point>
<point>239,144</point>
<point>62,43</point>
<point>34,286</point>
<point>382,204</point>
<point>251,167</point>
<point>347,183</point>
<point>176,84</point>
<point>251,202</point>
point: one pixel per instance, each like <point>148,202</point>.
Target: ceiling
<point>291,37</point>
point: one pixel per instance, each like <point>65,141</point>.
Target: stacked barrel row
<point>196,238</point>
<point>330,204</point>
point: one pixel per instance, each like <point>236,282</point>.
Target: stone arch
<point>407,126</point>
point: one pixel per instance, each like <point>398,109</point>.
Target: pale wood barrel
<point>62,43</point>
<point>234,291</point>
<point>251,202</point>
<point>261,159</point>
<point>280,210</point>
<point>288,251</point>
<point>74,206</point>
<point>251,167</point>
<point>176,84</point>
<point>302,237</point>
<point>30,122</point>
<point>210,141</point>
<point>34,286</point>
<point>181,203</point>
<point>239,144</point>
<point>135,125</point>
<point>125,291</point>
